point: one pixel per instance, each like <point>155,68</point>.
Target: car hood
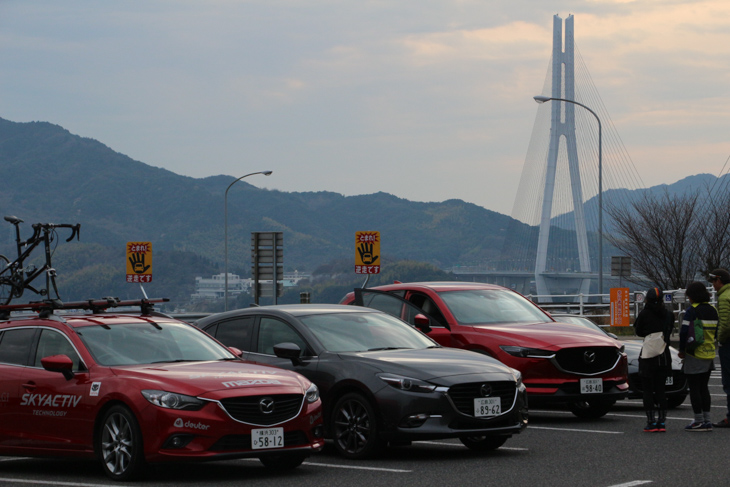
<point>547,336</point>
<point>215,379</point>
<point>434,363</point>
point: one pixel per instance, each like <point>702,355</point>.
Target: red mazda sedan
<point>137,388</point>
<point>560,362</point>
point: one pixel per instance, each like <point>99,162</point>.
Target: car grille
<point>463,395</point>
<point>587,360</point>
<point>243,442</point>
<point>248,409</point>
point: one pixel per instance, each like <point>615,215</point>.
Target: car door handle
<point>29,385</point>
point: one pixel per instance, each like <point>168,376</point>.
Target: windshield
<point>360,332</point>
<point>147,343</point>
<point>490,306</point>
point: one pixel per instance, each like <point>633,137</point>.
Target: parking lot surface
<point>556,449</point>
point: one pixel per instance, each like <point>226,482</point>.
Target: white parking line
<point>631,484</point>
<point>462,446</point>
<point>576,430</point>
<point>350,467</point>
<point>53,482</point>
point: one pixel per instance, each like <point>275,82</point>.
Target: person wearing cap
<point>720,279</point>
<point>654,323</point>
<point>697,349</point>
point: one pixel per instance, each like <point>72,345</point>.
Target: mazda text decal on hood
<point>250,382</point>
<point>234,373</point>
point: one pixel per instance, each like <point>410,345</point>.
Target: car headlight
<point>407,383</point>
<point>312,393</point>
<point>525,352</point>
<point>172,400</point>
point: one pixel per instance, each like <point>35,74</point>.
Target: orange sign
<point>139,261</point>
<point>367,252</point>
<point>620,306</point>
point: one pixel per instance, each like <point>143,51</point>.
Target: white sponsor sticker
<point>250,382</point>
<point>95,388</point>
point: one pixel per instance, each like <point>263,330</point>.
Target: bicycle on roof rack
<point>16,276</point>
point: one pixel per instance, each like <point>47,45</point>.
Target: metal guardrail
<point>599,306</point>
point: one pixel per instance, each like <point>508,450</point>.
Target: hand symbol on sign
<point>366,254</point>
<point>137,261</point>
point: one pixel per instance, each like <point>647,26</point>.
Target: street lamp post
<point>543,99</point>
<point>225,218</point>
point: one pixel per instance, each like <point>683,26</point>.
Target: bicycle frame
<point>16,278</point>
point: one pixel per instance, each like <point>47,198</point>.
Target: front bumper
<point>443,415</point>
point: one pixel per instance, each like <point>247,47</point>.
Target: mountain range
<point>51,175</point>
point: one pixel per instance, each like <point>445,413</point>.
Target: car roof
<point>286,310</point>
<point>439,286</point>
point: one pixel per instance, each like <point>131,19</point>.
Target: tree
<point>660,233</point>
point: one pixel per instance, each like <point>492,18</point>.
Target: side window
<point>273,331</point>
<point>54,343</point>
<point>15,346</point>
<point>382,302</point>
<point>235,333</point>
<point>427,306</point>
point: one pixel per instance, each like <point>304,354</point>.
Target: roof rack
<point>47,307</point>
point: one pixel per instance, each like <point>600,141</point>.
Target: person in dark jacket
<point>697,350</point>
<point>654,324</point>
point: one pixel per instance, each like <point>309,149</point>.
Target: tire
<point>283,461</point>
<point>590,409</point>
<point>119,444</point>
<point>484,443</point>
<point>355,428</point>
<point>674,402</point>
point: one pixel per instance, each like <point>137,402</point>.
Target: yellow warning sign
<point>139,261</point>
<point>367,252</point>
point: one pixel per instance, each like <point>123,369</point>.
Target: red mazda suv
<point>560,362</point>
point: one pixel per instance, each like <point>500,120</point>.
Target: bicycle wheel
<point>6,286</point>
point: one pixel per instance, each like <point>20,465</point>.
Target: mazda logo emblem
<point>589,357</point>
<point>485,390</point>
<point>266,405</point>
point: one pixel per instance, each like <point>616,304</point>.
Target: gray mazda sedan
<point>381,380</point>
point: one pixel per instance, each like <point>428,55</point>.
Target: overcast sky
<point>425,99</point>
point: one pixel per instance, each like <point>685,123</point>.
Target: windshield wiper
<point>388,348</point>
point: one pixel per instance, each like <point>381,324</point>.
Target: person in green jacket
<point>720,279</point>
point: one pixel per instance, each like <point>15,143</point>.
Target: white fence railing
<point>599,306</point>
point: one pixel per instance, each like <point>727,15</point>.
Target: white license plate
<point>487,406</point>
<point>591,386</point>
<point>669,381</point>
<point>267,438</point>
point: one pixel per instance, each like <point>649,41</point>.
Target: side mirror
<point>421,322</point>
<point>612,335</point>
<point>289,351</point>
<point>235,351</point>
<point>59,363</point>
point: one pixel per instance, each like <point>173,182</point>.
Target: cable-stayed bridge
<point>553,245</point>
